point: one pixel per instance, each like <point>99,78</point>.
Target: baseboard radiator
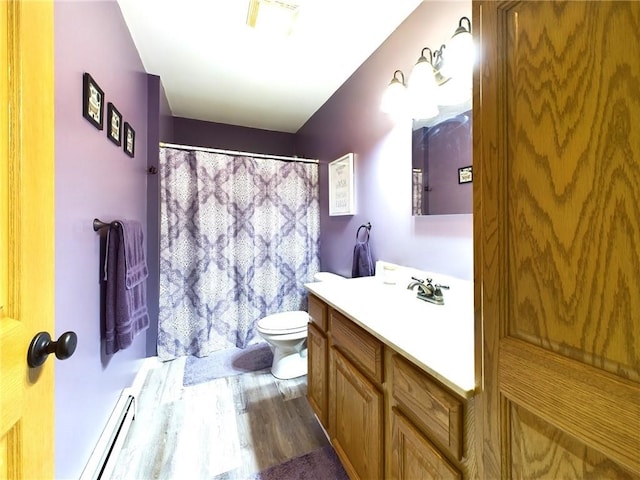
<point>102,460</point>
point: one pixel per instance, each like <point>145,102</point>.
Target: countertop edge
<point>458,389</point>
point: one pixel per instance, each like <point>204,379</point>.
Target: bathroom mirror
<point>442,172</point>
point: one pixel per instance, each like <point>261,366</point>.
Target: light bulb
<point>394,99</point>
<point>423,89</point>
<point>459,57</point>
<point>454,92</point>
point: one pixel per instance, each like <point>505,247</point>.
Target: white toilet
<point>286,333</point>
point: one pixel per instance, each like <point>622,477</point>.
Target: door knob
<point>42,345</point>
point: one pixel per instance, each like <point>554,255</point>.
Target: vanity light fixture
<point>443,78</point>
<point>423,87</point>
<point>438,62</point>
<point>394,99</point>
<point>460,53</point>
<point>451,90</point>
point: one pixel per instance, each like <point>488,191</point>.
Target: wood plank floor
<point>225,429</point>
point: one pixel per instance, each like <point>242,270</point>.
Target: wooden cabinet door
<point>557,237</point>
<point>413,457</point>
<point>318,373</point>
<point>27,233</point>
<point>356,408</point>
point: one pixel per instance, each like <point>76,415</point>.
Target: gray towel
<point>363,265</point>
<point>126,294</point>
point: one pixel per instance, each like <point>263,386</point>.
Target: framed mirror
<point>442,170</point>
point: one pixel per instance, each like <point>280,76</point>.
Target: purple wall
<point>445,148</point>
<point>166,117</point>
<point>160,129</point>
<point>94,178</point>
<point>230,137</point>
<point>160,126</point>
<point>351,121</point>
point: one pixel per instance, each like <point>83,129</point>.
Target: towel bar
<point>366,226</point>
<point>99,224</point>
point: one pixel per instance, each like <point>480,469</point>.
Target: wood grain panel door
<point>318,373</point>
<point>557,237</point>
<point>26,236</point>
<point>413,456</point>
<point>356,424</point>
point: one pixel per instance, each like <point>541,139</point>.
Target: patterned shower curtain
<point>239,236</point>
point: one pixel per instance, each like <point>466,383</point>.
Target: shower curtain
<point>239,236</point>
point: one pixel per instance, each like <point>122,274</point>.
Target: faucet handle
<point>417,279</point>
<point>446,287</point>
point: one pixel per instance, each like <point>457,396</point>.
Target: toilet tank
<point>326,277</point>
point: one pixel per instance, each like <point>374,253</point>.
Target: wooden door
<point>356,427</point>
<point>557,237</point>
<point>317,378</point>
<point>413,456</point>
<point>26,236</point>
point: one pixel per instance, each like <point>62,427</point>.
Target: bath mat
<point>321,464</point>
<point>227,363</point>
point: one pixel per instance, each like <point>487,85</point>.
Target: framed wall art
<point>129,140</point>
<point>341,186</point>
<point>92,101</point>
<point>465,174</point>
<point>114,124</point>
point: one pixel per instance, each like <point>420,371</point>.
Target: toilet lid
<point>285,322</point>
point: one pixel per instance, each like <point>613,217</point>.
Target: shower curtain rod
<point>235,152</point>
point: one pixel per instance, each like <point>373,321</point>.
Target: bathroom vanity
<point>391,377</point>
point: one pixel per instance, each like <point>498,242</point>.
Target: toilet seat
<point>284,323</point>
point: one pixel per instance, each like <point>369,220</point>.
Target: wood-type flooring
<point>225,429</point>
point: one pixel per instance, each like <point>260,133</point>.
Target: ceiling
<point>215,67</point>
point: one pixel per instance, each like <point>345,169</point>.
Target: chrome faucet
<point>428,292</point>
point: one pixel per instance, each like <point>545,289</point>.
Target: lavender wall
<point>166,117</point>
<point>230,137</point>
<point>94,178</point>
<point>160,129</point>
<point>351,121</point>
<point>444,149</point>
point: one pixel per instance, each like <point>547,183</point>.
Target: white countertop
<point>438,338</point>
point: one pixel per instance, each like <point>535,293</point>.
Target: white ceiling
<point>215,68</point>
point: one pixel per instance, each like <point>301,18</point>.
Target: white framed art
<point>341,186</point>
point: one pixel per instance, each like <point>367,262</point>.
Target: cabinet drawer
<point>435,410</point>
<point>358,345</point>
<point>318,311</point>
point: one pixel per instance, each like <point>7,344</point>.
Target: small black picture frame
<point>92,101</point>
<point>465,174</point>
<point>114,124</point>
<point>129,140</point>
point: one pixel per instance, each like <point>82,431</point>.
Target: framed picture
<point>92,101</point>
<point>114,123</point>
<point>341,188</point>
<point>129,140</point>
<point>465,174</point>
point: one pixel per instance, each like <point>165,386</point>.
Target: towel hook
<point>99,224</point>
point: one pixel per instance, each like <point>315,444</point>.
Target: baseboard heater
<point>102,460</point>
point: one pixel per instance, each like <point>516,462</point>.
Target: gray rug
<point>227,363</point>
<point>321,464</point>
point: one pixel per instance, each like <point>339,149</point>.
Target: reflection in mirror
<point>442,158</point>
